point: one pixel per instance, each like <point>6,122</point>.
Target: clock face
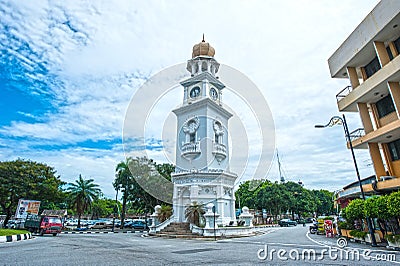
<point>213,94</point>
<point>195,92</point>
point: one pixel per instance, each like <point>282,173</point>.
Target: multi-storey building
<point>369,59</point>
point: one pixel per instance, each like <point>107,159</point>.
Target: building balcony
<point>358,133</point>
<point>384,184</point>
<point>219,151</point>
<point>190,150</point>
<point>384,134</point>
<point>371,90</point>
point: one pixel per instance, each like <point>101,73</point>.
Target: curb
<point>102,232</point>
<point>12,238</point>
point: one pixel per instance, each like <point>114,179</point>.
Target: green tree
<point>277,198</point>
<point>323,201</point>
<point>194,212</point>
<point>123,181</point>
<point>377,207</point>
<point>23,179</point>
<point>102,207</point>
<point>294,193</point>
<point>165,170</point>
<point>245,194</point>
<point>82,193</point>
<point>355,210</point>
<point>164,213</point>
<point>273,197</point>
<point>305,203</point>
<point>136,177</point>
<point>393,203</point>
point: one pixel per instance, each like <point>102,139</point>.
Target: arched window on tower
<point>192,137</point>
<point>218,132</point>
<point>190,130</point>
<point>204,66</point>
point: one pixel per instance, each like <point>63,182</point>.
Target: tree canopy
<point>135,177</point>
<point>277,198</point>
<point>23,179</point>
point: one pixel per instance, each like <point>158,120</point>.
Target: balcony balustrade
<point>343,93</point>
<point>358,133</point>
<point>190,150</point>
<point>219,151</point>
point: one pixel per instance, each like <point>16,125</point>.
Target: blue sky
<point>68,70</point>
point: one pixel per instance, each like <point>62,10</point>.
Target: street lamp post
<point>337,120</point>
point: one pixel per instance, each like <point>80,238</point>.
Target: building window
<point>372,67</point>
<point>385,106</point>
<point>394,148</point>
<point>389,53</point>
<point>397,44</point>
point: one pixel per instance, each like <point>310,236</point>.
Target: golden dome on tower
<point>203,48</point>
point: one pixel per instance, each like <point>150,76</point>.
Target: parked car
<point>15,224</point>
<point>71,222</point>
<point>128,224</point>
<point>99,225</point>
<point>287,222</point>
<point>139,225</point>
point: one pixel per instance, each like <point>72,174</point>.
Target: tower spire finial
<point>203,38</point>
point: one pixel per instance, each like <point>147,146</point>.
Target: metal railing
<point>358,133</point>
<point>343,93</point>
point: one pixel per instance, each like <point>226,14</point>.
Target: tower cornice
<point>203,76</point>
<point>203,102</point>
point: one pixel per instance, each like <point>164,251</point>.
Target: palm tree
<point>193,212</point>
<point>123,180</point>
<point>82,193</point>
<point>164,213</point>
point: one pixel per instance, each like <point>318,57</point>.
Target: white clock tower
<point>202,155</point>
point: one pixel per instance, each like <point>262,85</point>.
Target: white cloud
<point>93,56</point>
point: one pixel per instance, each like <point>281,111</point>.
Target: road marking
<point>263,243</point>
<point>352,248</point>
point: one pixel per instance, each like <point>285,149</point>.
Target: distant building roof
<point>364,181</point>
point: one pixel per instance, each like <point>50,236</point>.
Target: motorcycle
<point>314,228</point>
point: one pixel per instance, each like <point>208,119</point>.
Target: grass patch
<point>9,232</point>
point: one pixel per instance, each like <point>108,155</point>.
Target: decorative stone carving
<point>246,216</point>
<point>207,190</point>
<point>154,216</point>
<point>227,191</point>
<point>209,216</point>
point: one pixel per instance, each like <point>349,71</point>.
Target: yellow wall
<point>396,168</point>
<point>388,119</point>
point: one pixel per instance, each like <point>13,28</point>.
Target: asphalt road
<point>285,246</point>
